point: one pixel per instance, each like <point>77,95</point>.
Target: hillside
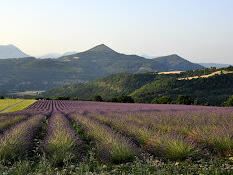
<point>144,87</point>
<point>111,86</point>
<point>10,51</point>
<point>31,74</point>
<point>214,90</point>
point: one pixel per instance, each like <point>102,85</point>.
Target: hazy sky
<point>199,30</point>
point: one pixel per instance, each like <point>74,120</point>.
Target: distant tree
<point>162,100</point>
<point>165,100</point>
<point>1,97</point>
<point>184,99</point>
<point>196,102</point>
<point>125,99</point>
<point>97,98</point>
<point>39,98</point>
<point>76,99</point>
<point>114,99</point>
<point>47,98</point>
<point>229,102</point>
<point>155,101</point>
<point>61,98</point>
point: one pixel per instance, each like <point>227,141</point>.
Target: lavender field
<point>74,137</point>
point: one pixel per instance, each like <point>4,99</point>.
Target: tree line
<point>181,99</point>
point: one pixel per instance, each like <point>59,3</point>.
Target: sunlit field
<point>6,103</point>
<point>72,137</point>
<point>12,105</point>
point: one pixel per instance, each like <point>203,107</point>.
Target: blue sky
<point>199,30</point>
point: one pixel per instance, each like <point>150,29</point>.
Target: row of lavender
<point>18,139</point>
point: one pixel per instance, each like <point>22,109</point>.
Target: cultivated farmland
<point>6,103</point>
<point>12,105</point>
<point>72,137</point>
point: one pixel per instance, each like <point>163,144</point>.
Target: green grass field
<point>12,105</point>
<point>6,103</point>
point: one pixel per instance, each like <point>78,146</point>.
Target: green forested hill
<point>213,90</point>
<point>144,87</point>
<point>111,86</point>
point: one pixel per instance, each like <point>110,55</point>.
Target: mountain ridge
<point>102,52</point>
<point>11,51</point>
<point>29,74</point>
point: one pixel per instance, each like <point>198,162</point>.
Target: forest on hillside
<point>146,87</point>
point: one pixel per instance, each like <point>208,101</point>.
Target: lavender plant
<point>6,122</point>
<point>174,148</point>
<point>111,146</point>
<point>18,139</point>
<point>62,143</point>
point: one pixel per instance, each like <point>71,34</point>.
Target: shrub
<point>1,97</point>
<point>98,98</point>
<point>155,101</point>
<point>39,98</point>
<point>62,98</point>
<point>196,102</point>
<point>177,149</point>
<point>229,102</point>
<point>125,99</point>
<point>162,100</point>
<point>114,99</point>
<point>76,99</point>
<point>184,99</point>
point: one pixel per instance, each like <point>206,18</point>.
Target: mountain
<point>176,62</point>
<point>103,59</point>
<point>10,51</point>
<point>101,49</point>
<point>29,74</point>
<point>208,65</point>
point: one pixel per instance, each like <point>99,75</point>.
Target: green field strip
<point>20,106</point>
<point>6,103</point>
